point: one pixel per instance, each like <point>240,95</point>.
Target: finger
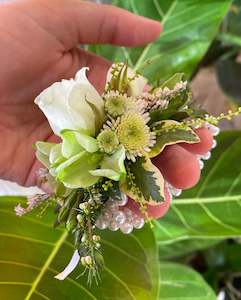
<point>205,144</point>
<point>178,166</point>
<point>153,211</point>
<point>76,21</point>
<point>98,66</point>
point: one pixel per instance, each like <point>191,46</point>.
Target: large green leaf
<point>189,27</point>
<point>32,253</point>
<point>183,283</point>
<point>212,209</point>
<point>182,248</point>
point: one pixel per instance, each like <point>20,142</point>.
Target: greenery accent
<point>169,133</point>
<point>119,80</point>
<point>144,181</point>
<point>178,101</point>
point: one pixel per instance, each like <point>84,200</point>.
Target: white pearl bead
<point>206,156</point>
<point>119,217</point>
<point>138,223</point>
<point>113,226</point>
<point>129,215</point>
<point>214,129</point>
<point>126,228</point>
<point>174,191</point>
<point>201,164</point>
<point>106,214</point>
<point>177,192</point>
<point>214,144</point>
<point>123,200</point>
<point>111,205</point>
<point>101,223</point>
<point>128,212</point>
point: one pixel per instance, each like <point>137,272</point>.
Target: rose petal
<point>72,104</point>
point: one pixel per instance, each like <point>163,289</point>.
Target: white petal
<point>9,188</point>
<point>66,104</point>
<point>136,86</point>
<point>70,267</point>
<point>109,75</point>
<point>91,95</point>
<point>79,110</point>
<point>221,296</point>
<point>53,103</point>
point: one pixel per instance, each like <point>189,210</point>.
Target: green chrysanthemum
<point>135,135</point>
<point>108,141</point>
<point>117,104</point>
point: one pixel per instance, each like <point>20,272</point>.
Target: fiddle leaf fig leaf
<point>214,203</point>
<point>183,283</point>
<point>42,251</point>
<point>181,45</point>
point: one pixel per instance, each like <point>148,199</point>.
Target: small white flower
<point>137,82</point>
<point>72,104</point>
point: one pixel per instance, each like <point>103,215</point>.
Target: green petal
<point>106,173</point>
<point>87,142</point>
<point>74,173</point>
<point>70,145</point>
<point>44,147</point>
<point>112,166</point>
<point>44,159</point>
<point>75,141</point>
<point>55,156</point>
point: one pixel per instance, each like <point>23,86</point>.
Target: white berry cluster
<point>116,216</point>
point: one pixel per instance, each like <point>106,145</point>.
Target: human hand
<point>39,45</point>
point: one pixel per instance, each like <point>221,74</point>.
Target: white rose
<point>72,104</point>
